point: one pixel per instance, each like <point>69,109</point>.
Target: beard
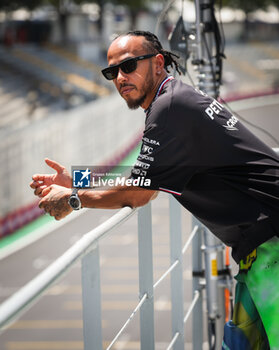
<point>146,89</point>
<point>135,104</point>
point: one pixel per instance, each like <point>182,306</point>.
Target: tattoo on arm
<point>59,204</point>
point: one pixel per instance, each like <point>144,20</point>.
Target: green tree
<point>12,5</point>
<point>275,3</point>
<point>247,6</point>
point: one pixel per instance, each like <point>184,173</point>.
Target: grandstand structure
<point>54,104</point>
<point>38,80</point>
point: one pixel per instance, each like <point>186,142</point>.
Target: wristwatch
<point>74,201</point>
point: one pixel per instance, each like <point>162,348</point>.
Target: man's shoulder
<point>171,92</point>
<point>188,96</point>
<point>179,97</point>
<point>177,89</point>
<point>177,103</point>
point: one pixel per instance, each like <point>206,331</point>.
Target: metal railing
<point>87,250</point>
<point>27,295</point>
<point>207,261</point>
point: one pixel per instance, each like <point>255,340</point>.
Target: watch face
<point>74,203</point>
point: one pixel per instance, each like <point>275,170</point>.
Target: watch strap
<point>75,196</point>
<point>75,191</point>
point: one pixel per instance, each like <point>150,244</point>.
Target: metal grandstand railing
<point>207,260</point>
<point>87,250</point>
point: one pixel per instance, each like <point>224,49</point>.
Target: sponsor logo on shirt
<point>146,149</point>
<point>146,157</point>
<point>152,142</point>
<point>214,109</point>
<point>230,125</point>
<point>139,172</point>
<point>142,165</point>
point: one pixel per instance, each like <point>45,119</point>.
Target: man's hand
<point>42,181</point>
<point>55,201</point>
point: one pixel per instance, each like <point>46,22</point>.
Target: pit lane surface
<point>55,322</point>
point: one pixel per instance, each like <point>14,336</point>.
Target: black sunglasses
<point>127,66</point>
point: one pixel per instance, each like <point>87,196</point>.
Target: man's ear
<point>160,63</point>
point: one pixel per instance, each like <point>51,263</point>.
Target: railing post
<point>91,300</point>
<point>197,320</point>
<point>214,262</point>
<point>146,277</point>
<point>176,274</point>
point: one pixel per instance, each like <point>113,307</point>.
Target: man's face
<point>138,87</point>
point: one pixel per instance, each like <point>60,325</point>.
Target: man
<point>196,150</point>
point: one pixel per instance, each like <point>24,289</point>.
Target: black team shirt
<point>213,165</point>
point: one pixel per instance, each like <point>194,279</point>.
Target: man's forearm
<point>116,197</point>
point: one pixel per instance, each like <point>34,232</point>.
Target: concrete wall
<point>99,132</point>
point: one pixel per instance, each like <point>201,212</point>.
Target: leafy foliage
<point>11,5</point>
<point>133,5</point>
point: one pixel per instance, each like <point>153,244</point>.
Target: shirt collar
<point>162,85</point>
<point>160,88</point>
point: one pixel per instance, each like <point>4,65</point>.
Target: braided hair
<point>154,46</point>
